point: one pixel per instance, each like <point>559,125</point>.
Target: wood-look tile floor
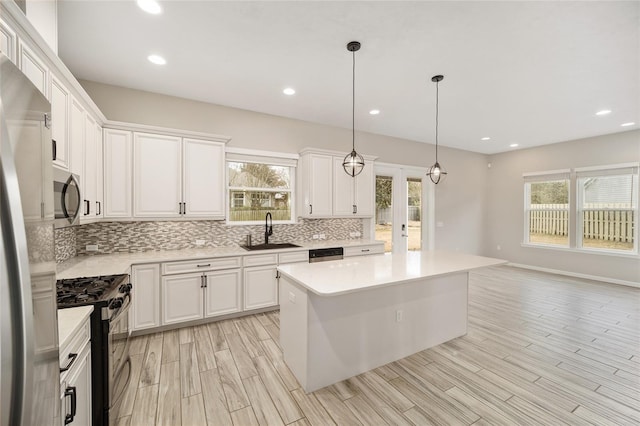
<point>541,349</point>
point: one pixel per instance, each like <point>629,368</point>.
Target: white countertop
<point>70,320</point>
<point>366,272</point>
<point>112,264</point>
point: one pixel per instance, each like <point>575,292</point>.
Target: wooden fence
<point>609,222</point>
<point>386,215</point>
<point>257,215</point>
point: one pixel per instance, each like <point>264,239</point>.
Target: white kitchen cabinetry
<point>60,123</point>
<point>200,289</point>
<point>8,41</point>
<point>182,298</point>
<point>34,68</point>
<point>145,311</point>
<point>260,287</point>
<point>364,250</point>
<point>90,171</point>
<point>175,177</point>
<point>99,202</point>
<point>327,191</point>
<point>117,173</point>
<point>204,184</point>
<point>76,138</point>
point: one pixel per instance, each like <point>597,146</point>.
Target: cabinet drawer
<point>364,250</point>
<point>76,343</point>
<point>200,265</point>
<point>261,259</point>
<point>294,257</point>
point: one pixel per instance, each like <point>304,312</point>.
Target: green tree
<point>384,191</point>
<point>555,192</point>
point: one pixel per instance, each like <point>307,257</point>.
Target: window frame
<point>609,170</point>
<point>239,155</point>
<point>547,176</point>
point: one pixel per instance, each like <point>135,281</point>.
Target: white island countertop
<point>367,272</point>
<point>69,322</point>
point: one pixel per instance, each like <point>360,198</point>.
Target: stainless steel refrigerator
<point>29,370</point>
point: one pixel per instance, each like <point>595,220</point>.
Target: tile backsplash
<point>130,237</point>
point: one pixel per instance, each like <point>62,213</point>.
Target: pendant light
<point>436,173</point>
<point>353,163</point>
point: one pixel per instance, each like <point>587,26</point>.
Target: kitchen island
<point>339,319</point>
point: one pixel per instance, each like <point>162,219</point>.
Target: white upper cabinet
<point>60,123</point>
<point>157,185</point>
<point>76,137</point>
<point>34,68</point>
<point>175,177</point>
<point>203,172</point>
<point>99,202</point>
<point>327,191</point>
<point>117,173</point>
<point>90,171</point>
<point>8,41</point>
<point>316,178</point>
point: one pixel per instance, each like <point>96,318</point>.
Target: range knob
<point>125,288</point>
<point>116,303</point>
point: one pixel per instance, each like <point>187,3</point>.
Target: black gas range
<point>110,363</point>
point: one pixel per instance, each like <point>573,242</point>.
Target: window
<point>607,208</point>
<point>547,208</point>
<point>258,185</point>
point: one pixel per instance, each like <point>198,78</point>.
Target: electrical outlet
<point>91,247</point>
<point>316,236</point>
<point>200,242</point>
<point>322,236</point>
<point>357,233</point>
<point>399,315</point>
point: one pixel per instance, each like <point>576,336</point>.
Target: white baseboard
<point>576,275</point>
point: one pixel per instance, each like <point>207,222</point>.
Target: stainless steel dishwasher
<point>326,254</point>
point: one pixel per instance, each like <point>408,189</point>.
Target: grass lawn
<point>587,242</point>
<point>383,233</point>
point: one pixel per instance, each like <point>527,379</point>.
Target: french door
<point>404,208</point>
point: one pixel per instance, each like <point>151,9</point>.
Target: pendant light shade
<point>436,172</point>
<point>353,163</point>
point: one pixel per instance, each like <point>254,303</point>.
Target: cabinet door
<point>90,169</point>
<point>157,179</point>
<point>222,293</point>
<point>80,378</point>
<point>60,123</point>
<point>117,173</point>
<point>260,287</point>
<point>8,41</point>
<point>182,298</point>
<point>99,202</point>
<point>145,311</point>
<point>33,68</point>
<point>320,185</point>
<point>343,190</point>
<point>365,192</point>
<point>203,172</point>
<point>76,138</point>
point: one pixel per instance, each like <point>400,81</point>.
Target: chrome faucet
<point>268,227</point>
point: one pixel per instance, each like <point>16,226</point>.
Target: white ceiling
<point>530,73</point>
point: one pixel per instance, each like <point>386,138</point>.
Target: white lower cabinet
<point>182,298</point>
<point>145,312</point>
<point>222,293</point>
<point>77,388</point>
<point>260,287</point>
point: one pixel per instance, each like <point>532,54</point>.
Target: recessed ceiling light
<point>156,59</point>
<point>150,6</point>
<point>631,123</point>
<point>289,91</point>
<point>513,145</point>
<point>374,112</point>
<point>604,112</point>
<point>486,138</point>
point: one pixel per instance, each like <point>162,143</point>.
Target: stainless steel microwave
<point>66,197</point>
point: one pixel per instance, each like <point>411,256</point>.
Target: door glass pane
<point>384,211</point>
<point>414,213</point>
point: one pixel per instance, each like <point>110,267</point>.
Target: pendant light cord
<point>437,97</point>
<point>353,104</point>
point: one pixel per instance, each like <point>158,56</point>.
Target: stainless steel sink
<point>270,246</point>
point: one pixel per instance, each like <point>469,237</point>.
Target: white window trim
<point>550,175</point>
<point>240,155</point>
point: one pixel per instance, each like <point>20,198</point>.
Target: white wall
<point>505,203</point>
<point>460,200</point>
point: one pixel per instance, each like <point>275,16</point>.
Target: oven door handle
<point>122,310</point>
